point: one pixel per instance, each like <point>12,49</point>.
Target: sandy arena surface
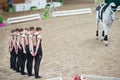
<point>69,46</point>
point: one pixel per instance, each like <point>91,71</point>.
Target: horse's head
<point>113,8</point>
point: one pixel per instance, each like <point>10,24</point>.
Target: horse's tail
<point>98,7</point>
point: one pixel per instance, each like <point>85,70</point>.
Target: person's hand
<point>10,49</point>
<point>20,48</point>
<point>24,51</point>
<point>33,54</point>
<point>16,51</point>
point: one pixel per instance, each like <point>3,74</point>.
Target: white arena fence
<point>118,8</point>
<point>56,78</point>
<point>71,12</point>
<point>23,18</point>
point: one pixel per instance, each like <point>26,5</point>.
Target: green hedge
<point>117,2</point>
<point>1,18</point>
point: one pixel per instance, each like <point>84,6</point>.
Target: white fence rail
<point>118,8</point>
<point>56,78</point>
<point>23,18</point>
<point>71,12</point>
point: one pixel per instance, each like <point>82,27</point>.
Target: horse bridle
<point>114,8</point>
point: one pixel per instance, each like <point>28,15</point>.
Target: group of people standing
<point>24,46</point>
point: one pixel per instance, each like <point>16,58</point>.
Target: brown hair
<point>17,29</point>
<point>26,28</point>
<point>38,28</point>
<point>12,31</point>
<point>21,29</point>
<point>31,28</point>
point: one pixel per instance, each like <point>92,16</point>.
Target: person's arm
<point>23,43</point>
<point>15,44</point>
<point>31,45</point>
<point>9,42</point>
<point>18,41</point>
<point>38,44</point>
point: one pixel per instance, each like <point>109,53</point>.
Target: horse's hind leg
<point>97,34</point>
<point>103,34</point>
<point>105,28</point>
<point>97,25</point>
<point>106,40</point>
